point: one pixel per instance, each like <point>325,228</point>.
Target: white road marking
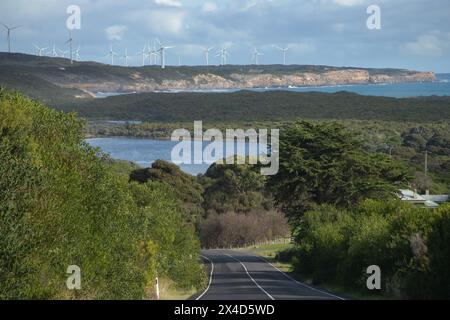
<point>299,283</point>
<point>254,281</point>
<point>210,278</point>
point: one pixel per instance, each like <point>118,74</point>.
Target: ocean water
<point>145,151</point>
<point>441,87</point>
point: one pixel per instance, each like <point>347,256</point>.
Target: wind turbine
<point>206,51</point>
<point>77,54</point>
<point>285,50</point>
<point>54,52</point>
<point>8,37</point>
<point>126,57</point>
<point>70,41</point>
<point>63,53</point>
<point>223,54</point>
<point>111,54</point>
<point>143,54</point>
<point>152,53</point>
<point>162,52</point>
<point>39,50</point>
<point>256,55</point>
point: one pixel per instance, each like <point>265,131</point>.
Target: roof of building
<point>429,201</point>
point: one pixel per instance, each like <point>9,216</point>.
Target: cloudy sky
<point>414,34</point>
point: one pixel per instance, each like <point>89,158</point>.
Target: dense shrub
<point>409,244</point>
<point>439,254</point>
<point>184,186</point>
<point>161,223</point>
<point>61,204</point>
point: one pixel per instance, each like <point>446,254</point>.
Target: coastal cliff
<point>90,77</point>
<point>209,81</point>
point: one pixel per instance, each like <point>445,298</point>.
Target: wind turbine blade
<point>13,28</point>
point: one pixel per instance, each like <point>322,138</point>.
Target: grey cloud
<point>322,31</point>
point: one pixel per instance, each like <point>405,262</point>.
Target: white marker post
<point>157,288</point>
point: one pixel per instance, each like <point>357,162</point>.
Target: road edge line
<point>210,278</point>
<point>298,282</point>
<point>254,281</point>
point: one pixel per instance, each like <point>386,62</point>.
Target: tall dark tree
<point>326,164</point>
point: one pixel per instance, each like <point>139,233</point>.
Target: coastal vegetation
<point>335,246</point>
<point>253,106</point>
<point>63,203</point>
<point>345,216</point>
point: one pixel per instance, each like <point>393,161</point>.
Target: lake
<point>145,151</point>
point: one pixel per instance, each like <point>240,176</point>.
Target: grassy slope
<point>37,88</point>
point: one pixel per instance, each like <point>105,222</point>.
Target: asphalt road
<point>236,275</point>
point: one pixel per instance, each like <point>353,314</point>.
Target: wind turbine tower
<point>284,50</point>
<point>126,57</point>
<point>54,52</point>
<point>144,55</point>
<point>223,54</point>
<point>77,54</point>
<point>162,52</point>
<point>8,36</point>
<point>152,53</point>
<point>70,41</point>
<point>206,51</point>
<point>256,55</point>
<point>39,50</point>
<point>111,54</point>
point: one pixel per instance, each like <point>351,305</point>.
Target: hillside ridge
<point>93,77</point>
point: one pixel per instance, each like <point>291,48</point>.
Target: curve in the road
<point>210,278</point>
<point>261,280</point>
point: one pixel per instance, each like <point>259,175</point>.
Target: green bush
<point>439,253</point>
<point>182,185</point>
<point>161,222</point>
<point>409,244</point>
<point>321,243</point>
<point>62,204</point>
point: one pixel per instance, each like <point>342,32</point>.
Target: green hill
<point>267,106</point>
